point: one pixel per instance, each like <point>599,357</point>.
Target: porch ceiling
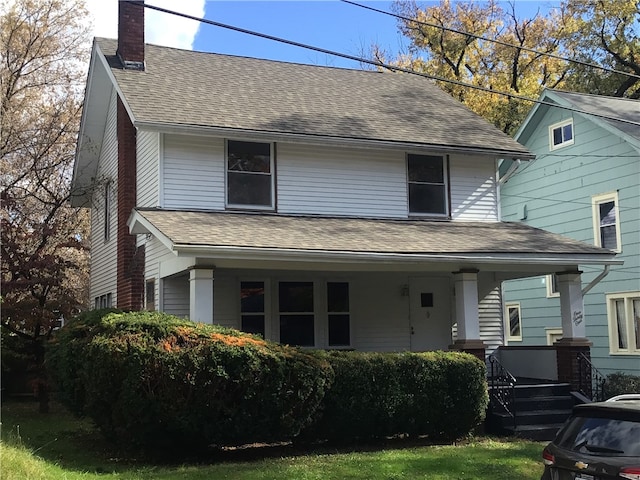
<point>232,239</point>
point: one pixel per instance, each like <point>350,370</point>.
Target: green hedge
<point>619,383</point>
<point>155,381</point>
<point>442,395</point>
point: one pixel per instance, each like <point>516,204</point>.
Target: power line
<point>499,42</point>
<point>379,64</point>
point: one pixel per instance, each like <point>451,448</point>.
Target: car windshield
<point>601,436</point>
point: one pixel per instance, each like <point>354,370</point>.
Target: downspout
<point>596,280</point>
<point>512,169</point>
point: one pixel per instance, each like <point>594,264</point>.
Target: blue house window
<point>606,221</point>
<point>561,134</point>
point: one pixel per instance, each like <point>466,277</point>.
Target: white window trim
<point>445,170</point>
<point>596,200</point>
<point>549,284</point>
<point>561,124</point>
<point>272,174</point>
<point>613,331</point>
<point>507,323</point>
<point>551,333</point>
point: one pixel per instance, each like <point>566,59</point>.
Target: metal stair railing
<point>502,388</point>
<point>591,382</point>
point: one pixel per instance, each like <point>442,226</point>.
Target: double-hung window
<point>623,312</point>
<point>561,134</point>
<point>250,175</point>
<point>427,184</point>
<point>297,313</point>
<point>606,221</point>
<point>338,316</point>
<point>513,321</point>
<point>252,307</point>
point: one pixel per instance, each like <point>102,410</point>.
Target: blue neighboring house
<point>583,184</point>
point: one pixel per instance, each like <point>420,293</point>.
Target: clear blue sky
<point>329,24</point>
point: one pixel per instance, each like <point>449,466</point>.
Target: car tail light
<point>632,473</point>
<point>548,458</point>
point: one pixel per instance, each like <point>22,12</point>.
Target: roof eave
<point>310,139</point>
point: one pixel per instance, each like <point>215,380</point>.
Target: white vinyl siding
<point>473,188</point>
<point>193,173</point>
<point>147,164</point>
<point>175,295</point>
<point>333,181</point>
<point>103,253</point>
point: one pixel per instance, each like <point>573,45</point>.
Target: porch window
<point>513,322</point>
<point>338,314</point>
<point>103,301</point>
<point>297,318</point>
<point>249,175</point>
<point>623,312</point>
<point>252,310</point>
<point>561,134</point>
<point>427,184</point>
<point>150,295</point>
<point>606,223</point>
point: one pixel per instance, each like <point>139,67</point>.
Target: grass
<point>59,446</point>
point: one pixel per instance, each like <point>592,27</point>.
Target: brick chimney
<point>130,256</point>
<point>131,33</point>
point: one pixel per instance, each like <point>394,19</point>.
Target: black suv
<point>600,441</point>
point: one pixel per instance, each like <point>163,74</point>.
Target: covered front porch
<point>365,284</point>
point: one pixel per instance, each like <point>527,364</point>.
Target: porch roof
<point>216,234</point>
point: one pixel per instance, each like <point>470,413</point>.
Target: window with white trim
<point>561,134</point>
<point>250,179</point>
<point>252,307</point>
<point>513,322</point>
<point>606,221</point>
<point>338,317</point>
<point>427,184</point>
<point>623,314</point>
<point>103,301</point>
<point>297,313</point>
<point>552,286</point>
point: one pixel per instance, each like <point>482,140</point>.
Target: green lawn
<point>58,446</point>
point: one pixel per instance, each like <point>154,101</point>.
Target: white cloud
<point>160,28</point>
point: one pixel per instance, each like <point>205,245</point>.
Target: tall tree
<point>44,46</point>
<point>501,51</point>
<point>607,32</point>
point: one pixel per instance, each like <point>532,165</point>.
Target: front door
<point>430,313</point>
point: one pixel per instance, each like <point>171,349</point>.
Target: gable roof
<point>622,114</point>
<point>220,234</point>
<point>181,88</point>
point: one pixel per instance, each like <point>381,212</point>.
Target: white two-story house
<point>321,207</point>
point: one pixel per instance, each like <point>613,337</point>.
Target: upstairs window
<point>561,134</point>
<point>606,222</point>
<point>249,175</point>
<point>427,184</point>
<point>107,212</point>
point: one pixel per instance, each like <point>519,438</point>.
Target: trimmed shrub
<point>619,383</point>
<point>442,395</point>
<point>159,382</point>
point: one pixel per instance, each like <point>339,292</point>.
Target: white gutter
<point>596,280</point>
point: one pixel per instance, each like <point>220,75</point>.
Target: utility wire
<point>377,63</point>
<point>499,42</point>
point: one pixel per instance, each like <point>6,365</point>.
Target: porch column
<point>201,295</point>
<point>573,341</point>
<point>467,317</point>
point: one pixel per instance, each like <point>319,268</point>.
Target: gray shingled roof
<point>614,107</point>
<point>180,87</point>
<point>225,229</point>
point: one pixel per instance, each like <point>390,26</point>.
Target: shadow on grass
<point>75,444</point>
